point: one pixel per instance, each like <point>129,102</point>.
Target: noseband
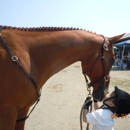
<point>101,57</point>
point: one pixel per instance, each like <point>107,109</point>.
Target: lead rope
<point>89,95</point>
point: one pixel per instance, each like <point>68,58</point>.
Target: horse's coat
<point>43,52</point>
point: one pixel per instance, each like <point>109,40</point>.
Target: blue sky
<point>106,17</point>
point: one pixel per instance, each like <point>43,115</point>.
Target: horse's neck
<point>60,50</point>
<point>50,52</point>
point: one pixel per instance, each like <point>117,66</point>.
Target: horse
<point>30,56</point>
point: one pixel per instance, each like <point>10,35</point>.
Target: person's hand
<point>88,102</point>
<point>87,99</point>
<point>87,105</point>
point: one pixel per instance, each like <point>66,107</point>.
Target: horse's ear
<point>114,39</point>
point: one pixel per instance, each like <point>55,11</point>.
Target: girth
<point>15,59</point>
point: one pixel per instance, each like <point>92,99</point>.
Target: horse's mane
<point>42,29</point>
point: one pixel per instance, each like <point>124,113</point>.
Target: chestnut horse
<point>30,56</point>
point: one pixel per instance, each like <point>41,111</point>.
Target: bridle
<point>105,77</point>
<point>101,57</point>
<point>15,59</point>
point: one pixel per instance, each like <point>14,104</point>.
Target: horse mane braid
<point>42,28</point>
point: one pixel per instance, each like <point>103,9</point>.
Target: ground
<point>63,96</point>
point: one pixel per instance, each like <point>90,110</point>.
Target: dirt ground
<point>63,96</point>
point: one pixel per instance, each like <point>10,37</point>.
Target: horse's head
<point>98,66</point>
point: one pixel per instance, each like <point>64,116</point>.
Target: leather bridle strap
<point>101,57</point>
<point>15,59</point>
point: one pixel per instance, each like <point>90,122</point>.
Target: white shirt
<point>101,119</point>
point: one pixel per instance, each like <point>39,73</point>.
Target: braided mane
<point>42,29</point>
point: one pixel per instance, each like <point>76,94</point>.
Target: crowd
<point>122,63</point>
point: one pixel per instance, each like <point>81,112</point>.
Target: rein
<point>15,59</point>
<point>89,95</point>
<point>88,85</point>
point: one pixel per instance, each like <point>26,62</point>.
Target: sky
<point>106,17</point>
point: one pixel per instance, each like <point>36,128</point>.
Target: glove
<point>87,99</point>
<point>89,102</point>
<point>95,101</point>
<point>87,105</point>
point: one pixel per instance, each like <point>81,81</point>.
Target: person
<point>125,57</point>
<point>124,66</point>
<point>118,62</point>
<point>128,55</point>
<point>115,105</point>
<point>128,65</point>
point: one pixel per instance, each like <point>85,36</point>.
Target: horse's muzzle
<point>98,95</point>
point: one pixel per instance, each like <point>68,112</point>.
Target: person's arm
<point>85,111</point>
<point>96,105</point>
<point>86,107</point>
